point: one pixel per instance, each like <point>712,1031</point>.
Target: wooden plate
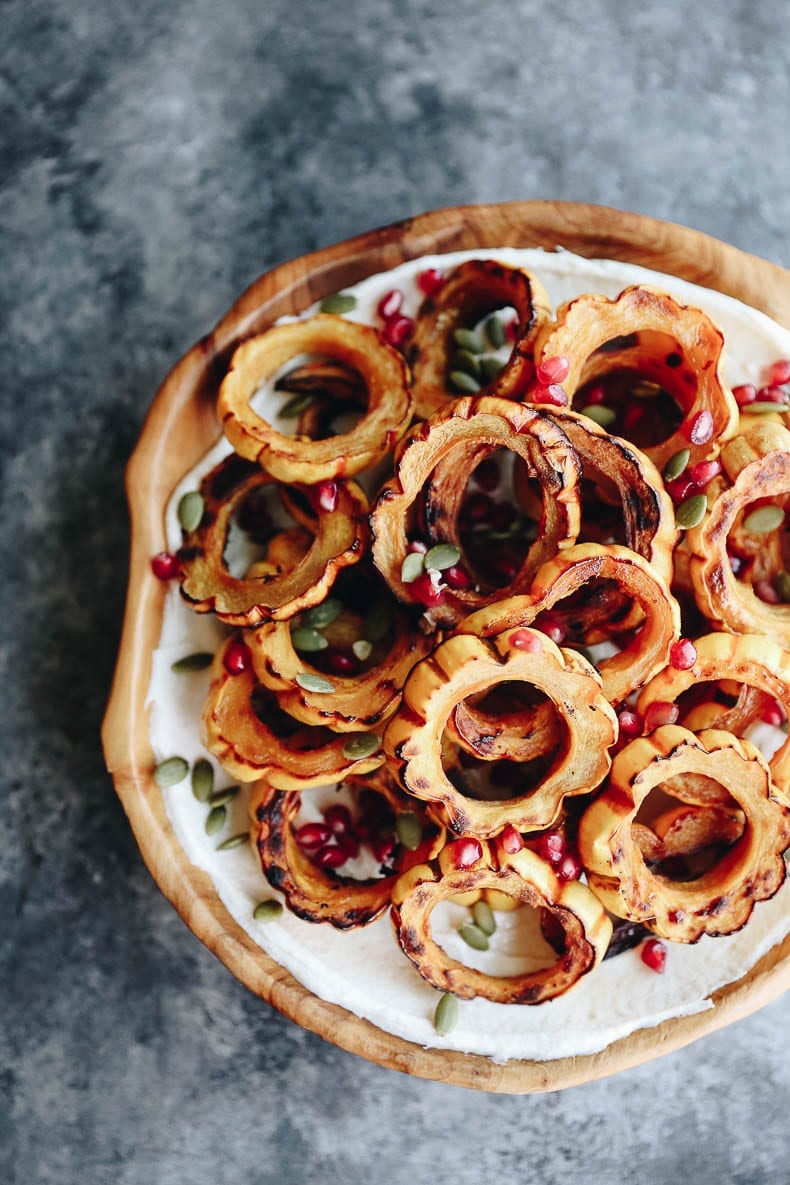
<point>181,425</point>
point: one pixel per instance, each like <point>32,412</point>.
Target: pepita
<point>495,331</point>
<point>339,302</point>
<point>362,649</point>
<point>360,745</point>
<point>222,797</point>
<point>267,911</point>
<point>215,820</point>
<point>484,917</point>
<point>782,586</point>
<point>467,339</point>
<point>490,367</point>
<point>764,519</point>
<point>190,510</point>
<point>412,566</point>
<point>408,829</point>
<point>234,841</point>
<point>762,407</point>
<point>170,772</point>
<point>645,389</point>
<point>378,623</point>
<point>308,640</point>
<point>294,407</point>
<point>691,512</point>
<point>464,382</point>
<point>193,662</point>
<point>443,555</point>
<point>677,464</point>
<point>473,936</point>
<point>445,1018</point>
<point>468,362</point>
<point>202,779</point>
<point>324,614</point>
<point>314,683</point>
<point>600,414</point>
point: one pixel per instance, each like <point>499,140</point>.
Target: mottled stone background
<point>156,156</point>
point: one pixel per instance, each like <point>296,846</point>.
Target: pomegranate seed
<point>330,856</point>
<point>382,848</point>
<point>326,496</point>
<point>430,281</point>
<point>465,852</point>
<point>631,723</point>
<point>340,663</point>
<point>595,395</point>
<point>700,429</point>
<point>773,714</point>
<point>506,570</point>
<point>772,395</point>
<point>457,577</point>
<point>680,488</point>
<point>397,331</point>
<point>338,818</point>
<point>166,566</point>
<point>779,373</point>
<point>348,844</point>
<point>653,954</point>
<point>660,712</point>
<point>552,370</point>
<point>417,547</point>
<point>552,394</point>
<point>745,394</point>
<point>524,640</point>
<point>428,588</point>
<point>704,472</point>
<point>550,625</point>
<point>552,847</point>
<point>634,415</point>
<point>683,655</point>
<point>552,930</point>
<point>487,475</point>
<point>237,658</point>
<point>511,840</point>
<point>477,507</point>
<point>766,592</point>
<point>570,868</point>
<point>390,304</point>
<point>312,836</point>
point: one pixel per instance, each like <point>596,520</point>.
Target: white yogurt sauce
<point>364,970</point>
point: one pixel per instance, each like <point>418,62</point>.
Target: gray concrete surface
<point>156,156</point>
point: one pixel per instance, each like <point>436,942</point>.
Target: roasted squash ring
<point>464,666</point>
<point>383,372</point>
<point>249,749</point>
<point>690,369</point>
<point>469,428</point>
<point>644,656</point>
<point>316,894</point>
<point>721,900</point>
<point>469,292</point>
<point>750,659</point>
<point>528,880</point>
<point>758,464</point>
<point>340,540</point>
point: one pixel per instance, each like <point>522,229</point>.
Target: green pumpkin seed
<point>645,389</point>
<point>267,911</point>
<point>378,623</point>
<point>484,917</point>
<point>190,510</point>
<point>314,683</point>
<point>170,772</point>
<point>600,414</point>
<point>323,615</point>
<point>202,779</point>
<point>193,662</point>
<point>467,362</point>
<point>762,407</point>
<point>490,367</point>
<point>473,936</point>
<point>691,512</point>
<point>339,302</point>
<point>443,555</point>
<point>222,797</point>
<point>464,382</point>
<point>495,331</point>
<point>215,820</point>
<point>676,464</point>
<point>782,586</point>
<point>362,649</point>
<point>445,1018</point>
<point>308,640</point>
<point>360,745</point>
<point>467,339</point>
<point>764,519</point>
<point>408,829</point>
<point>234,841</point>
<point>412,566</point>
<point>294,407</point>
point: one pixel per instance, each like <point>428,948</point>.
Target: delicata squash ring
<point>749,659</point>
<point>529,880</point>
<point>249,749</point>
<point>721,900</point>
<point>465,666</point>
<point>458,436</point>
<point>676,346</point>
<point>383,372</point>
<point>758,464</point>
<point>340,538</point>
<point>469,292</point>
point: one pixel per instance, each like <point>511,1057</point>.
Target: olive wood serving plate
<point>179,428</point>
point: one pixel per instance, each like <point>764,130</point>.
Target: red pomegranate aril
<point>339,663</point>
<point>326,496</point>
<point>390,304</point>
<point>330,856</point>
<point>569,868</point>
<point>660,712</point>
<point>552,370</point>
<point>653,954</point>
<point>552,847</point>
<point>745,394</point>
<point>703,473</point>
<point>464,852</point>
<point>382,847</point>
<point>428,589</point>
<point>312,836</point>
<point>338,819</point>
<point>525,640</point>
<point>511,840</point>
<point>397,331</point>
<point>457,577</point>
<point>773,714</point>
<point>779,372</point>
<point>700,429</point>
<point>594,396</point>
<point>634,415</point>
<point>348,844</point>
<point>477,508</point>
<point>430,281</point>
<point>166,566</point>
<point>631,724</point>
<point>681,488</point>
<point>237,658</point>
<point>766,592</point>
<point>506,571</point>
<point>772,394</point>
<point>487,475</point>
<point>417,547</point>
<point>682,655</point>
<point>551,625</point>
<point>551,393</point>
